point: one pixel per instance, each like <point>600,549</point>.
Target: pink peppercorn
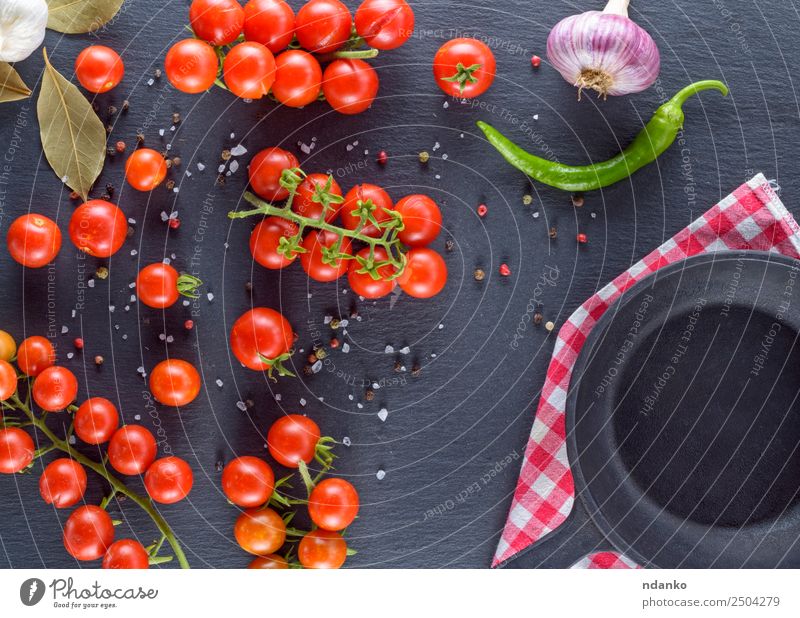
<point>482,210</point>
<point>536,62</point>
<point>505,271</point>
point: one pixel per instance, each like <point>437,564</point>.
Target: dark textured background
<point>469,412</point>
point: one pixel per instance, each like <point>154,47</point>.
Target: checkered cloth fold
<point>751,218</point>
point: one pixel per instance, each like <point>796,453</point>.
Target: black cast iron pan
<point>683,421</point>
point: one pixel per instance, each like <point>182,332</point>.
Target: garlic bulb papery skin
<point>605,51</point>
<point>22,26</point>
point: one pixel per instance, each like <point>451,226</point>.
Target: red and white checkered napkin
<point>751,218</point>
<point>605,560</point>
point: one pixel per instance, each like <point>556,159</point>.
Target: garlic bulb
<point>22,25</point>
<point>605,51</point>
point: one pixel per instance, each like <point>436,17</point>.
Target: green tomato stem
<point>388,241</point>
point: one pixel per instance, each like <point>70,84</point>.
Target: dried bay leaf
<point>79,16</point>
<point>12,88</point>
<point>73,138</point>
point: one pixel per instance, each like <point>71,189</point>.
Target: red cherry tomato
<point>63,483</point>
<point>425,274</point>
<point>169,480</point>
<point>260,531</point>
<point>33,240</point>
<point>55,388</point>
<point>422,220</point>
<point>219,22</point>
<point>126,554</point>
<point>131,450</point>
<point>265,239</point>
<point>265,172</point>
<point>16,450</point>
<point>364,195</point>
<point>477,70</point>
<point>363,284</point>
<point>98,228</point>
<point>175,382</point>
<point>157,285</point>
<point>313,260</point>
<point>322,549</point>
<point>385,24</point>
<point>333,504</point>
<point>248,482</point>
<point>261,334</point>
<point>8,380</point>
<point>272,561</point>
<point>249,70</point>
<point>269,22</point>
<point>350,85</point>
<point>191,66</point>
<point>145,169</point>
<point>323,26</point>
<point>313,197</point>
<point>35,354</point>
<point>99,68</point>
<point>88,532</point>
<point>298,80</point>
<point>96,420</point>
<point>293,438</point>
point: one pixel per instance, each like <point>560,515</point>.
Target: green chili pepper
<point>654,139</point>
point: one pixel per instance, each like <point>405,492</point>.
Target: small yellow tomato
<point>8,347</point>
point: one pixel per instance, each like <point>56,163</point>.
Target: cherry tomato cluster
<point>294,442</point>
<point>393,238</point>
<point>263,48</point>
<point>132,450</point>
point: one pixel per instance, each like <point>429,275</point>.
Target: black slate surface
<point>454,435</point>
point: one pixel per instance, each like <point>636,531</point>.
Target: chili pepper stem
<point>117,486</point>
<point>692,89</point>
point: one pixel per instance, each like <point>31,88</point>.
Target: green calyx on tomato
<point>464,75</point>
<point>188,286</point>
<point>277,364</point>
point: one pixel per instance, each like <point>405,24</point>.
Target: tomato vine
<point>39,422</point>
<point>291,246</point>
